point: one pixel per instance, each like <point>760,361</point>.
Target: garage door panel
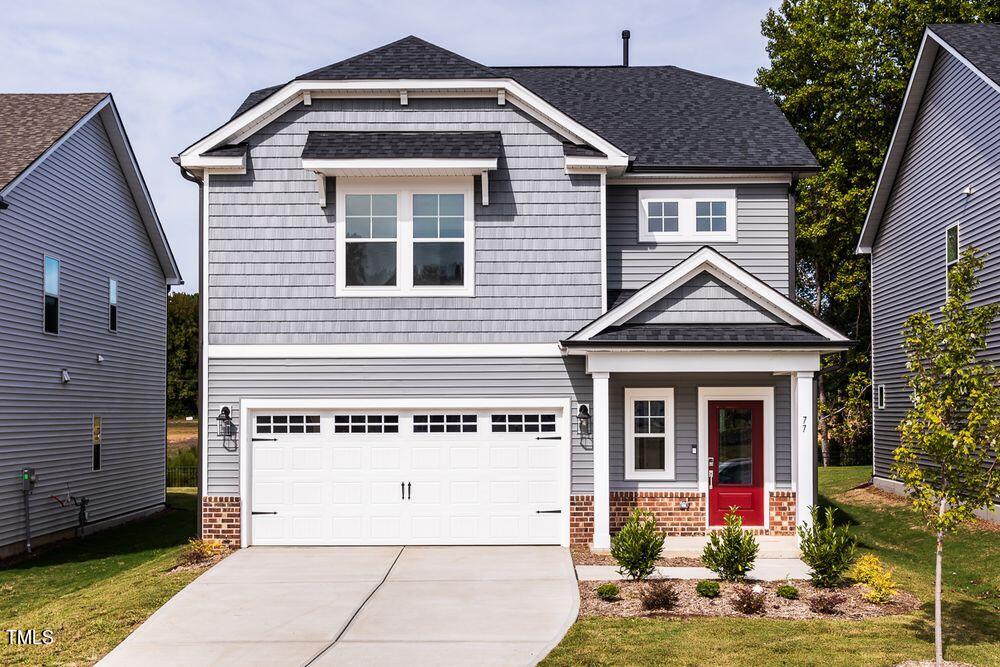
<point>410,486</point>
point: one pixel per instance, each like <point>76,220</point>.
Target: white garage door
<point>408,477</point>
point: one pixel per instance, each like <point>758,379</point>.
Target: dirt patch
<point>197,565</point>
<point>931,663</point>
<point>582,555</point>
<point>869,495</point>
<point>692,604</point>
<point>181,434</point>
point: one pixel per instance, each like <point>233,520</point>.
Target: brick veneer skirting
<point>670,518</point>
<point>220,519</point>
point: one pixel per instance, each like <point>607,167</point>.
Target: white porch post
<point>804,441</point>
<point>602,470</point>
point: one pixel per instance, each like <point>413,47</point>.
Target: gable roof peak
<point>408,58</point>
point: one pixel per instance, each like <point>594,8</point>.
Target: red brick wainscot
<point>782,509</point>
<point>220,519</point>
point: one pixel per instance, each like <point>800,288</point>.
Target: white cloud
<point>178,69</point>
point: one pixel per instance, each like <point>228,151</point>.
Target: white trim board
<point>711,261</point>
<point>387,351</point>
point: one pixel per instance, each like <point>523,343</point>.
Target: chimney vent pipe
<point>625,35</point>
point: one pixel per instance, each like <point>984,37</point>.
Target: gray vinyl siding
<point>233,380</point>
<point>686,425</point>
<point>955,143</point>
<point>761,246</point>
<point>271,246</point>
<point>76,207</point>
<point>704,299</point>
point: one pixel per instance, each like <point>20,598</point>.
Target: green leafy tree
<point>949,438</point>
<point>182,354</point>
<point>838,69</point>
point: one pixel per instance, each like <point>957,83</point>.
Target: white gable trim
<point>292,93</point>
<point>922,67</point>
<point>133,177</point>
<point>709,260</point>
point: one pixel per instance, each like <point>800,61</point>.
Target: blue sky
<point>179,69</point>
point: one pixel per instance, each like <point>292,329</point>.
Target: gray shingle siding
<point>77,207</point>
<point>704,299</point>
<point>761,246</point>
<point>955,143</point>
<point>271,246</point>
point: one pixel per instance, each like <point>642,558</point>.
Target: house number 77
<point>805,423</point>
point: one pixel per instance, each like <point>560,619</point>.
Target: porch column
<point>804,441</point>
<point>602,469</point>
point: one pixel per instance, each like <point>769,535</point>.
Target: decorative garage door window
<point>287,424</point>
<point>444,423</point>
<point>524,423</point>
<point>366,424</point>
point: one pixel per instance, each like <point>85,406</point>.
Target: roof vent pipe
<point>625,35</point>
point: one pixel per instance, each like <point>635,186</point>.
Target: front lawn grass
<point>92,593</point>
<point>891,531</point>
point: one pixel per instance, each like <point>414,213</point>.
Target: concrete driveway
<point>370,605</point>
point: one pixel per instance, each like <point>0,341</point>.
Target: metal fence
<point>182,475</point>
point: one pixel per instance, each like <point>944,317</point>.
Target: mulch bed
<point>692,604</point>
<point>583,556</point>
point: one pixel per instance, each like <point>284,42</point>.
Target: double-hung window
<point>687,216</point>
<point>403,237</point>
<point>112,304</point>
<point>50,312</point>
<point>649,434</point>
<point>97,435</point>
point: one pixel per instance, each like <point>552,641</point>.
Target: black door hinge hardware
<point>549,437</point>
<point>263,439</point>
<point>548,511</point>
<point>255,513</point>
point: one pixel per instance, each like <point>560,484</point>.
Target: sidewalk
<point>766,569</point>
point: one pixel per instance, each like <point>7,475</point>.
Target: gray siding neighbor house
<point>939,192</point>
<point>447,303</point>
<point>84,274</point>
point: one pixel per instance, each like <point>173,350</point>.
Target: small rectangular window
<point>112,305</point>
<point>284,424</point>
<point>444,423</point>
<point>663,216</point>
<point>880,397</point>
<point>710,216</point>
<point>951,243</point>
<point>685,215</point>
<point>370,240</point>
<point>95,442</point>
<point>51,307</point>
<point>366,424</point>
<point>524,423</point>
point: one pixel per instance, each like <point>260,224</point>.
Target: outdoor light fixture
<point>227,429</point>
<point>583,418</point>
<point>64,376</point>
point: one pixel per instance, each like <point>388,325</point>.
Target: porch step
<point>771,547</point>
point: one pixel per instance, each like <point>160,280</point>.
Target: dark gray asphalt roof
<point>681,335</point>
<point>227,150</point>
<point>667,118</point>
<point>346,145</point>
<point>979,43</point>
<point>580,151</point>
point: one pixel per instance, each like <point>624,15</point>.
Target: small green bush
<point>637,546</point>
<point>827,549</point>
<point>608,592</point>
<point>659,595</point>
<point>788,592</point>
<point>732,551</point>
<point>748,601</point>
<point>826,603</point>
<point>187,457</point>
<point>708,589</point>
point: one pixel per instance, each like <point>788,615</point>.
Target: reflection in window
<point>370,240</point>
<point>438,240</point>
<point>735,446</point>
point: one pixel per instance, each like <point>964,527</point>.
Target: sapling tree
<point>949,437</point>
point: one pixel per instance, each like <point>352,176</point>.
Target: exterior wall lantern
<point>583,419</point>
<point>227,429</point>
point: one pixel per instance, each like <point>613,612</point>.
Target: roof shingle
<point>348,145</point>
<point>687,335</point>
<point>979,43</point>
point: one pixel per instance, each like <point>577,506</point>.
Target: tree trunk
<point>938,639</point>
<point>824,430</point>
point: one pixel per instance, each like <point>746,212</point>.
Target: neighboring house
<point>84,274</point>
<point>938,193</point>
<point>446,303</point>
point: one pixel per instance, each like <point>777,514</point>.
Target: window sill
<point>678,237</point>
<point>400,292</point>
<point>650,475</point>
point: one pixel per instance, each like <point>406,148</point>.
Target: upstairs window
<point>405,237</point>
<point>50,314</point>
<point>951,250</point>
<point>112,305</point>
<point>880,397</point>
<point>687,216</point>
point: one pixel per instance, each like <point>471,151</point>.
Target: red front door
<point>736,461</point>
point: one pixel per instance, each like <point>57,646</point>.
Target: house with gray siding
<point>451,303</point>
<point>84,274</point>
<point>938,193</point>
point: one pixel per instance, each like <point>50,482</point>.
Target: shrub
<point>608,592</point>
<point>637,546</point>
<point>788,592</point>
<point>731,552</point>
<point>825,603</point>
<point>827,549</point>
<point>708,589</point>
<point>748,601</point>
<point>876,578</point>
<point>199,551</point>
<point>659,595</point>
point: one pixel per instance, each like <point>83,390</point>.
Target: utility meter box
<point>28,479</point>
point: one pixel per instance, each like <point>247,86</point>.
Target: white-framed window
<point>523,423</point>
<point>50,299</point>
<point>112,304</point>
<point>684,216</point>
<point>447,423</point>
<point>649,434</point>
<point>366,423</point>
<point>405,236</point>
<point>880,397</point>
<point>952,250</point>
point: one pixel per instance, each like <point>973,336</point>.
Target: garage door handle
<point>402,490</point>
<point>255,513</point>
<point>409,489</point>
<point>548,511</point>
